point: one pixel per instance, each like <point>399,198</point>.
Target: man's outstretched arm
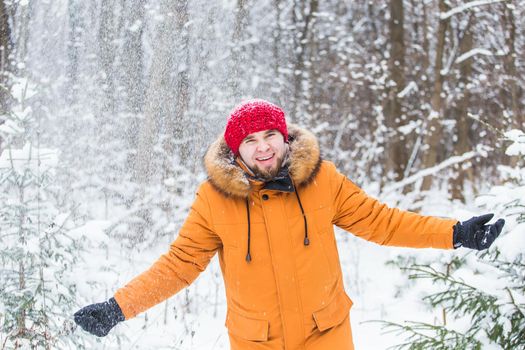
<point>188,256</point>
<point>372,220</point>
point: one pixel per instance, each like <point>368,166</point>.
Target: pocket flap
<point>247,327</point>
<point>334,313</point>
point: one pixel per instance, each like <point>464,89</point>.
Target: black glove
<point>98,319</point>
<point>474,234</point>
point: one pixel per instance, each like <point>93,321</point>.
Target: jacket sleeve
<point>187,257</point>
<point>366,217</point>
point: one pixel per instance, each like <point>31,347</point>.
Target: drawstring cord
<point>248,255</point>
<point>306,240</point>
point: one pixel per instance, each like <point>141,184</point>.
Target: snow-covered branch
<point>474,52</point>
<point>432,170</point>
<point>412,86</point>
<point>467,6</point>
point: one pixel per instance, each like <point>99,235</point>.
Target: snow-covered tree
<point>37,256</point>
<point>481,296</point>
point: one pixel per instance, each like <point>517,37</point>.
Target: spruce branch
<point>424,336</point>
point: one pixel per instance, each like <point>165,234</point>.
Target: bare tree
<point>303,17</point>
<point>433,129</point>
<point>107,34</point>
<point>5,59</point>
<point>397,156</point>
<point>5,62</point>
<point>160,101</point>
<point>133,72</point>
<point>21,28</point>
<point>509,61</point>
<point>133,55</point>
<point>462,140</point>
<point>277,36</point>
<point>177,141</point>
<point>238,48</point>
<point>73,44</point>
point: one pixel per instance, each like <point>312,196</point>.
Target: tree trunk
<point>160,99</point>
<point>426,48</point>
<point>462,142</point>
<point>106,41</point>
<point>5,60</point>
<point>21,317</point>
<point>277,38</point>
<point>75,25</point>
<point>159,111</point>
<point>238,50</point>
<point>133,72</point>
<point>514,89</point>
<point>509,60</point>
<point>395,144</point>
<point>433,129</point>
<point>21,28</point>
<point>133,58</point>
<point>178,126</point>
<point>5,63</point>
<point>302,22</point>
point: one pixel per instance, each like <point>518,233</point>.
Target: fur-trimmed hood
<point>231,180</point>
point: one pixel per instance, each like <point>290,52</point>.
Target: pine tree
<point>36,253</point>
<point>494,318</point>
<point>494,309</point>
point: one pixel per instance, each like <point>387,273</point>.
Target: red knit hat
<point>253,116</point>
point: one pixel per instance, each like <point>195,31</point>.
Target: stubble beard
<point>268,174</point>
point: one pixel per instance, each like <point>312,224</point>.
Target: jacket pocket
<point>334,313</point>
<point>247,327</point>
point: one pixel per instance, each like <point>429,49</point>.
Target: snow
<point>411,87</point>
<point>10,127</point>
<point>472,53</point>
<point>432,170</point>
<point>23,89</point>
<point>93,230</point>
<point>96,210</point>
<point>467,6</point>
<point>518,142</point>
<point>135,26</point>
<point>512,243</point>
<point>29,157</point>
<point>409,127</point>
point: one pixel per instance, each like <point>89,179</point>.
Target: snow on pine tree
<point>36,254</point>
<point>480,296</point>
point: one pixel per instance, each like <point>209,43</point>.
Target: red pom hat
<point>253,116</point>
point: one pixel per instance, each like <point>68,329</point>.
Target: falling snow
<point>112,106</point>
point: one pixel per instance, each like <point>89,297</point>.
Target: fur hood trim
<point>229,178</point>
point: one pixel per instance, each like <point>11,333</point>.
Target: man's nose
<point>262,146</point>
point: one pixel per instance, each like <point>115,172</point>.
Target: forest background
<point>107,108</point>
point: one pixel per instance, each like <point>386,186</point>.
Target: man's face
<point>263,152</point>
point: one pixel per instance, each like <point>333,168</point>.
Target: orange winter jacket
<point>290,294</point>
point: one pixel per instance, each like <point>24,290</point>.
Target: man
<point>268,209</point>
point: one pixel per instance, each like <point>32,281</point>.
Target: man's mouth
<point>265,158</point>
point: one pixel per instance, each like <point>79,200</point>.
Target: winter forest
<point>107,108</point>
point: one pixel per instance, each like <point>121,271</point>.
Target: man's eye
<point>248,141</point>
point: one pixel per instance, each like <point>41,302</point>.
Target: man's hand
<point>98,319</point>
<point>475,234</point>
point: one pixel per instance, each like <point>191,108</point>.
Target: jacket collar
<point>282,182</point>
<point>230,179</point>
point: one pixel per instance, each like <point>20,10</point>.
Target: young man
<point>268,210</point>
